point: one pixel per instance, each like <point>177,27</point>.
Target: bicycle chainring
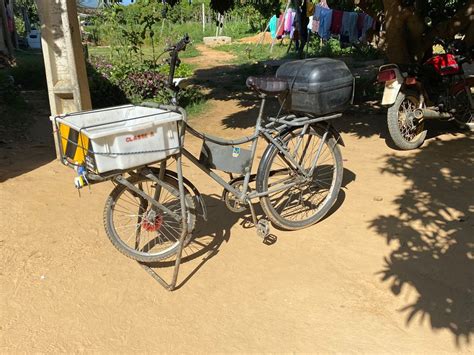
<point>231,201</point>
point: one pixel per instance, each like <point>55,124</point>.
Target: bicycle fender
<point>332,131</point>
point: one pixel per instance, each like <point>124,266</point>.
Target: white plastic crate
<point>125,137</point>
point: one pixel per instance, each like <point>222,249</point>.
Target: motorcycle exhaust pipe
<point>428,113</point>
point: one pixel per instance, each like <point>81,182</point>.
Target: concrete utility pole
<point>66,75</point>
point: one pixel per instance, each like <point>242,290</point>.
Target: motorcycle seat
<point>269,85</point>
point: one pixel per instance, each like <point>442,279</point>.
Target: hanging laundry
<point>317,12</point>
<point>310,23</point>
<point>367,25</point>
<point>360,24</point>
<point>349,26</point>
<point>281,26</point>
<point>336,23</point>
<point>325,20</point>
<point>273,26</point>
<point>289,17</point>
<point>292,24</point>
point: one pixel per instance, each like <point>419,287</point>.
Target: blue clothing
<point>273,26</point>
<point>349,26</point>
<point>368,24</point>
<point>325,20</point>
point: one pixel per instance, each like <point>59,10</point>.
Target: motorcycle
<point>437,89</point>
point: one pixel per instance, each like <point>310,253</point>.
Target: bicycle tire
<point>171,186</point>
<point>267,168</point>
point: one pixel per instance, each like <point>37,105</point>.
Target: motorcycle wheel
<point>405,135</point>
<point>464,117</point>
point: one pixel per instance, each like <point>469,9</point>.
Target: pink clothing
<point>281,26</point>
<point>289,17</point>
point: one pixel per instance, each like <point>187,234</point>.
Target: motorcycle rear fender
<point>392,87</point>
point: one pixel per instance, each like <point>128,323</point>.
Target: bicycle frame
<point>276,125</point>
<point>272,131</point>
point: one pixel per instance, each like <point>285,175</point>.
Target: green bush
<point>118,83</point>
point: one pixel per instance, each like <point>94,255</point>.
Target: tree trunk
<point>26,20</point>
<point>404,33</point>
<point>6,32</point>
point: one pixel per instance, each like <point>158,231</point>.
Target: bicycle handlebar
<point>174,62</point>
<point>180,46</point>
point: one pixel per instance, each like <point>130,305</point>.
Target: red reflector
<point>386,75</point>
<point>410,81</point>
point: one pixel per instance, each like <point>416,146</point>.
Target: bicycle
<point>150,215</point>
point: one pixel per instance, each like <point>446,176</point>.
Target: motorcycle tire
<point>464,116</point>
<point>403,136</point>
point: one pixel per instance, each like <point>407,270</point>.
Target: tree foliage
<point>412,25</point>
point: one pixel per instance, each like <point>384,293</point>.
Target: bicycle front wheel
<point>296,201</point>
<point>139,229</point>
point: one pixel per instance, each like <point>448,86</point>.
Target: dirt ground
<point>390,270</point>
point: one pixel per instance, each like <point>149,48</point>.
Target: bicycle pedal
<point>263,228</point>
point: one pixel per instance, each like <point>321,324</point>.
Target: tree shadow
<point>27,147</point>
<point>208,236</point>
<point>365,118</point>
<point>227,82</point>
<point>432,232</point>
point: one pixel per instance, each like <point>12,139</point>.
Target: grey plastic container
<point>318,86</point>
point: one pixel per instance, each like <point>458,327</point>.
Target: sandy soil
<point>391,270</point>
<point>209,57</point>
<point>267,39</point>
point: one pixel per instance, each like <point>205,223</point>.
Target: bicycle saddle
<point>268,86</point>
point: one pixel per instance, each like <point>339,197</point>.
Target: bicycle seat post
<point>263,98</point>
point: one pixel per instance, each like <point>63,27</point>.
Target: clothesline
<point>350,27</point>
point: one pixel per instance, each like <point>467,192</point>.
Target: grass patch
<point>29,72</point>
<point>107,52</point>
<point>251,53</point>
<point>197,109</point>
<point>248,53</point>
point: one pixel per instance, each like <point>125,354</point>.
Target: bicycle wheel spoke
<point>141,228</point>
<point>301,202</point>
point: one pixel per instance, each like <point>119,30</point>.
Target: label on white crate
<point>138,137</point>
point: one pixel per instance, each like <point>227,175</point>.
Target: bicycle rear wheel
<point>299,201</point>
<point>140,230</point>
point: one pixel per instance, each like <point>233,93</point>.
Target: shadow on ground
<point>32,147</point>
<point>208,237</point>
<point>433,235</point>
<point>366,118</point>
